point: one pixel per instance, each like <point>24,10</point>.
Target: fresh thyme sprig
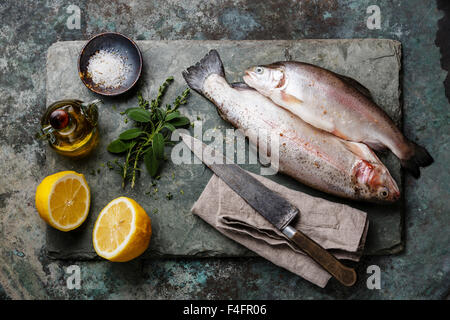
<point>151,133</point>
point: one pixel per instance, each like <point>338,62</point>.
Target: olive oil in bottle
<point>70,126</point>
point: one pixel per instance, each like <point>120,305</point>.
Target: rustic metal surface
<point>28,29</point>
<point>176,232</point>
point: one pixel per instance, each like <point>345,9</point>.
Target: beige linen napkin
<point>336,227</point>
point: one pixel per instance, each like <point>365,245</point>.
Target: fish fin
<point>339,134</point>
<point>375,145</point>
<point>361,150</point>
<point>355,84</point>
<point>241,86</point>
<point>420,158</point>
<point>196,75</point>
<point>297,107</point>
<point>290,99</point>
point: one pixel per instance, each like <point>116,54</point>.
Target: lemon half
<point>63,200</point>
<point>122,231</point>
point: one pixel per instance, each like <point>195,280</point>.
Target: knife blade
<point>273,207</point>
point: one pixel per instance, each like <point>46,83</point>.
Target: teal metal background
<point>28,28</point>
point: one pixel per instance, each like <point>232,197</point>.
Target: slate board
<point>375,63</point>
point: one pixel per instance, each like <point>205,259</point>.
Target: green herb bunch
<point>153,125</point>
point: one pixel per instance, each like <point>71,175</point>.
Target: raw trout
<point>311,156</point>
<point>337,104</point>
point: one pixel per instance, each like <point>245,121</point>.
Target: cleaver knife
<point>274,208</point>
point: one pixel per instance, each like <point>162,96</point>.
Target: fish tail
<point>419,158</point>
<point>196,75</point>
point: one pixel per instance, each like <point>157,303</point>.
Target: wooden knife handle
<point>345,275</point>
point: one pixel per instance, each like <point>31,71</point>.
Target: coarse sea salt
<point>108,69</point>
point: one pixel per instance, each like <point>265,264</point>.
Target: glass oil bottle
<point>70,126</point>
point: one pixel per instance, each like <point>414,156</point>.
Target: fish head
<point>374,182</point>
<point>267,78</point>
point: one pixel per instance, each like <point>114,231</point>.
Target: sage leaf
<point>130,134</point>
<point>169,126</point>
<point>180,122</point>
<point>130,109</point>
<point>146,140</point>
<point>173,115</point>
<point>139,115</point>
<point>158,145</point>
<point>151,163</point>
<point>117,146</point>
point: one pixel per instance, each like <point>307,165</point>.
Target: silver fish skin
<point>336,104</point>
<point>311,156</point>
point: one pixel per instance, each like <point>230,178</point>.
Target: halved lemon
<point>63,200</point>
<point>122,231</point>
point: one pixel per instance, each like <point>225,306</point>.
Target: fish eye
<point>259,70</point>
<point>383,192</point>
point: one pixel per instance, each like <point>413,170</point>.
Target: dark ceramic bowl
<point>116,42</point>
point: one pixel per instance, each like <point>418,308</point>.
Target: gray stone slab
<point>176,232</point>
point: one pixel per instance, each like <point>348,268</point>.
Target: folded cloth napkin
<point>336,227</point>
